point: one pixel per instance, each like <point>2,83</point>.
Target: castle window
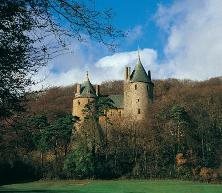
<point>78,103</point>
<point>138,111</point>
<point>135,86</point>
<point>120,113</point>
<point>138,100</point>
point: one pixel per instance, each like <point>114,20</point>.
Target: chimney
<point>126,74</point>
<point>78,89</point>
<point>129,72</point>
<point>97,90</point>
<point>149,75</point>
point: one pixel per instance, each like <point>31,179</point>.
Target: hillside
<point>181,139</point>
<point>59,99</point>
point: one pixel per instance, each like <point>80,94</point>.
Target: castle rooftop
<point>87,89</point>
<point>117,101</point>
<point>139,73</point>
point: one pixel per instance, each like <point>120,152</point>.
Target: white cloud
<point>107,68</point>
<point>194,44</point>
<point>193,49</point>
<point>67,68</point>
<point>112,67</point>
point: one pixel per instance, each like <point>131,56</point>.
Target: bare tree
<point>34,31</point>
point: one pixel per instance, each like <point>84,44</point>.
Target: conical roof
<point>87,89</point>
<point>139,73</point>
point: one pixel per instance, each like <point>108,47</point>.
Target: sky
<point>176,38</point>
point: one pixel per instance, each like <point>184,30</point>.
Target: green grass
<point>112,186</point>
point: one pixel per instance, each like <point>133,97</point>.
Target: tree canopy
<point>34,31</point>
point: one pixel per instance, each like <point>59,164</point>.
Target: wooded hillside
<point>181,139</point>
<point>59,99</point>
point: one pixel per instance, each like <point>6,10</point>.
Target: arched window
<point>78,103</point>
<point>138,111</point>
<point>135,86</point>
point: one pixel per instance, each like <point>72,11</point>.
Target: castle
<point>133,104</point>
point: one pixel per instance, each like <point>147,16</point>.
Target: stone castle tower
<point>84,94</point>
<point>138,92</point>
<point>132,105</point>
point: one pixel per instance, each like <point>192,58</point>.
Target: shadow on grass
<point>5,190</point>
<point>25,191</point>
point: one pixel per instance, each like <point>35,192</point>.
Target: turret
<point>138,93</point>
<point>84,94</point>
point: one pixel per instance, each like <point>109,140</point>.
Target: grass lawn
<point>112,186</point>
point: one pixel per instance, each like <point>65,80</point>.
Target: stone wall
<point>78,106</point>
<point>113,115</point>
<point>127,99</point>
<point>136,100</point>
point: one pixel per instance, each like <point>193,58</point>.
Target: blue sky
<point>130,14</point>
<point>177,39</point>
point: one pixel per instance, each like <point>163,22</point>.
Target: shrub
<point>79,164</point>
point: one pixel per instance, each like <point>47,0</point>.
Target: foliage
<point>98,107</point>
<point>35,134</point>
<point>184,123</point>
<point>79,163</point>
<point>19,59</point>
<point>65,19</point>
<point>28,31</point>
<point>18,170</point>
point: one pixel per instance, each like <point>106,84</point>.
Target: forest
<point>181,138</point>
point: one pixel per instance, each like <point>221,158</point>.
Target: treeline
<point>181,137</point>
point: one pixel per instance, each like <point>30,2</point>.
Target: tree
<point>79,163</point>
<point>93,111</point>
<point>181,125</point>
<point>18,58</point>
<point>89,140</point>
<point>41,137</point>
<point>26,30</point>
<point>73,18</point>
<point>61,132</point>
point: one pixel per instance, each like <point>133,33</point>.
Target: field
<point>118,186</point>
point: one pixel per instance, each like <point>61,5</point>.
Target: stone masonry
<point>132,105</point>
